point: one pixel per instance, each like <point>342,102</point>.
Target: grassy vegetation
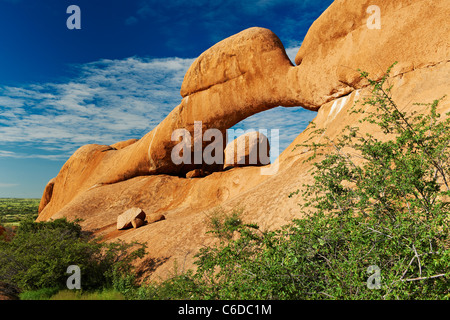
<point>107,294</point>
<point>56,294</point>
<point>40,294</point>
<point>14,210</point>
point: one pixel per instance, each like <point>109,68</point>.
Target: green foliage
<point>373,202</point>
<point>65,294</point>
<point>177,287</point>
<point>105,294</point>
<point>224,225</point>
<point>38,256</point>
<point>40,294</point>
<point>13,211</point>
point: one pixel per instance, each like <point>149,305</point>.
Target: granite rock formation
<point>236,78</point>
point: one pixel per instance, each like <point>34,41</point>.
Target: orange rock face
<point>340,41</point>
<point>238,77</point>
<point>47,196</point>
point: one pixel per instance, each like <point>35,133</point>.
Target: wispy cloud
<point>108,101</point>
<point>8,185</point>
<point>292,51</point>
<point>23,155</point>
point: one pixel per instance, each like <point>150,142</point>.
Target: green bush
<point>177,287</point>
<point>38,256</point>
<point>106,294</point>
<point>41,294</point>
<point>374,205</point>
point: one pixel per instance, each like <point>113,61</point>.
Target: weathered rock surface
<point>123,144</point>
<point>155,218</point>
<point>413,32</point>
<point>197,173</point>
<point>133,217</point>
<point>47,196</point>
<point>250,149</point>
<point>240,76</point>
<point>136,223</point>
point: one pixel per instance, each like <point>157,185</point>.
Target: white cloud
<point>108,101</point>
<point>16,155</point>
<point>292,52</point>
<point>6,154</point>
<point>8,185</point>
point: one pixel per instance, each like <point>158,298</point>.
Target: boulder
<point>249,53</point>
<point>250,149</point>
<point>126,219</point>
<point>155,218</point>
<point>136,223</point>
<point>82,169</point>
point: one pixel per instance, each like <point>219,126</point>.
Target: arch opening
<point>281,124</point>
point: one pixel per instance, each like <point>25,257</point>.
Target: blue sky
<point>117,77</point>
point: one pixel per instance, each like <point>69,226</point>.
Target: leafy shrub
<point>224,225</point>
<point>177,287</point>
<point>39,254</point>
<point>105,294</point>
<point>40,294</point>
<point>382,203</point>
